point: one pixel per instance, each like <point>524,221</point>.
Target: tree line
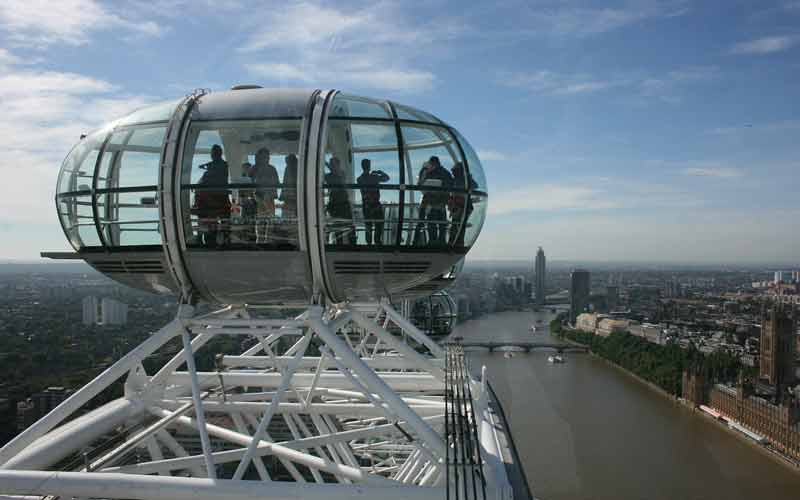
<point>662,365</point>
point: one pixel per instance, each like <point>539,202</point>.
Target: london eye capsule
<point>259,196</point>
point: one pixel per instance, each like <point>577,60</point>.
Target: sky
<point>637,130</point>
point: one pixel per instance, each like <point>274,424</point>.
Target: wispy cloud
<point>765,45</point>
<point>595,194</point>
<point>567,20</point>
<point>713,171</point>
<point>364,76</point>
<point>487,155</point>
<point>42,115</point>
<point>365,48</point>
<point>664,86</point>
<point>550,82</point>
<point>40,23</point>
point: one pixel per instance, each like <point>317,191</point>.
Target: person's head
<point>216,152</point>
<point>247,169</point>
<point>434,161</point>
<point>335,165</point>
<point>262,156</point>
<point>291,160</point>
<point>366,165</point>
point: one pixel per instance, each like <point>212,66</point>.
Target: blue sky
<point>631,130</point>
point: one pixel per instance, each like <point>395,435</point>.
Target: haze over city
<point>633,131</point>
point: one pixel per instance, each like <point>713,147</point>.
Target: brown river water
<point>585,430</point>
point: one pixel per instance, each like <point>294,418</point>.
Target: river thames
<point>585,430</point>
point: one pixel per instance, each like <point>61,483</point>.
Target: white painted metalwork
<point>331,404</point>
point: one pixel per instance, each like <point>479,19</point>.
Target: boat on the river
<point>555,359</point>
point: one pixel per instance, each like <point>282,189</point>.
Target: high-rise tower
<point>540,277</point>
<point>579,286</point>
<point>778,326</point>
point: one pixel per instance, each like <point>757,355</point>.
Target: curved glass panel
<point>239,184</point>
<point>160,112</point>
<point>361,183</point>
<point>127,182</point>
<point>433,216</point>
<point>74,191</point>
<point>409,113</point>
<point>350,106</point>
<point>473,163</point>
<point>476,213</point>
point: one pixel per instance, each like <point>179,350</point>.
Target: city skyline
<point>630,131</point>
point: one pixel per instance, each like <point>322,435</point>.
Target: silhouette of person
<point>438,181</point>
<point>458,203</point>
<point>213,207</point>
<point>289,190</point>
<point>371,198</point>
<point>265,177</point>
<point>339,203</point>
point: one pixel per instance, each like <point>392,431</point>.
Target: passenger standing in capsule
<point>432,207</point>
<point>339,204</point>
<point>371,199</point>
<point>289,198</point>
<point>458,202</point>
<point>266,176</point>
<point>289,189</point>
<point>213,206</point>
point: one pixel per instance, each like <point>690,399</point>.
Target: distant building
<point>104,312</point>
<point>693,385</point>
<point>612,297</point>
<point>586,322</point>
<point>540,277</point>
<point>652,333</point>
<point>90,311</point>
<point>579,288</point>
<point>26,414</point>
<point>606,327</point>
<point>113,312</point>
<point>778,327</point>
<point>49,398</point>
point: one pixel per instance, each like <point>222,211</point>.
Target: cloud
<point>766,45</point>
<point>571,21</point>
<point>487,155</point>
<point>40,23</point>
<point>663,86</point>
<point>371,47</point>
<point>397,80</point>
<point>712,171</point>
<point>549,82</point>
<point>595,194</point>
<point>42,115</point>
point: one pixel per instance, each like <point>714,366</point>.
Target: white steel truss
<point>336,403</point>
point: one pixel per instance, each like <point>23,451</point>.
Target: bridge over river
<point>524,345</point>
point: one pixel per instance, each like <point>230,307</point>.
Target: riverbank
<point>773,454</point>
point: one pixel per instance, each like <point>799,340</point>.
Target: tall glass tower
<point>540,276</point>
<point>579,288</point>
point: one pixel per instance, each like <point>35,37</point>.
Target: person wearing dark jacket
<point>338,206</point>
<point>212,205</point>
<point>434,200</point>
<point>458,203</point>
<point>371,199</point>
